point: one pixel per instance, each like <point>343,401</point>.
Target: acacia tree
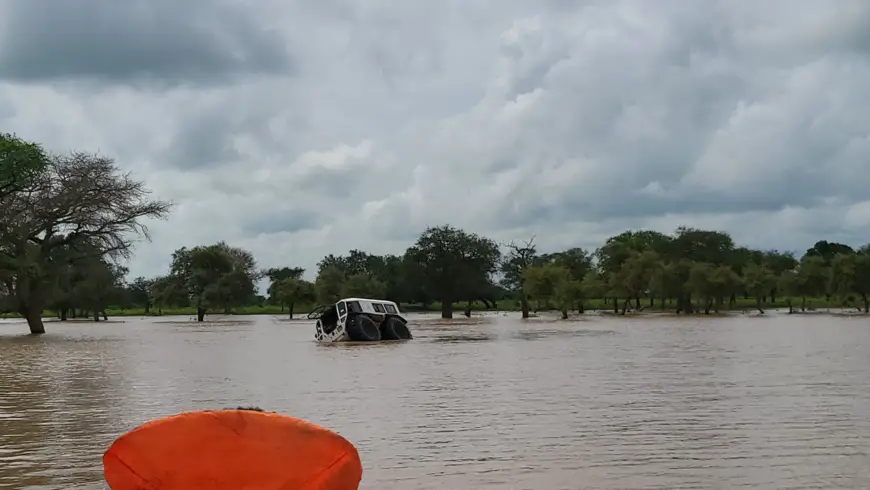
<point>99,284</point>
<point>850,275</point>
<point>811,279</point>
<point>291,291</point>
<point>363,286</point>
<point>518,260</point>
<point>329,285</point>
<point>276,276</point>
<point>553,283</point>
<point>215,276</point>
<point>377,275</point>
<point>166,292</point>
<point>453,263</point>
<point>712,284</point>
<point>21,164</point>
<point>80,202</point>
<point>758,281</point>
<point>140,293</point>
<point>634,277</point>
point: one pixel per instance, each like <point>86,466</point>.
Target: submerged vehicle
<point>359,320</point>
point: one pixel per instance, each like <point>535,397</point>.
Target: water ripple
<point>490,402</point>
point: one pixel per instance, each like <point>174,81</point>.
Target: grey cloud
<point>569,120</point>
<point>159,41</point>
<point>269,223</point>
<point>202,144</point>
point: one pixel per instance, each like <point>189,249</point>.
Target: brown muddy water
<point>495,403</point>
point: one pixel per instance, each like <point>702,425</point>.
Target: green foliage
<point>329,286</point>
<point>689,271</point>
<point>850,275</point>
<point>551,282</point>
<point>453,264</point>
<point>291,291</point>
<point>210,277</point>
<point>65,221</point>
<point>363,286</point>
<point>21,164</point>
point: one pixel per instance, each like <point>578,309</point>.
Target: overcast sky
<point>297,129</point>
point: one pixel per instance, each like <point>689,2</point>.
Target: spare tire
<point>362,329</point>
<point>394,329</point>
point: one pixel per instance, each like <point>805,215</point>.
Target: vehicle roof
<point>368,299</point>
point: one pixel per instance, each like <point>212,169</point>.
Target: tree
<point>393,273</point>
<point>101,283</point>
<point>850,274</point>
<point>215,276</point>
<point>519,259</point>
<point>712,284</point>
<point>576,260</point>
<point>363,286</point>
<point>276,275</point>
<point>671,281</point>
<point>828,250</point>
<point>634,277</point>
<point>787,284</point>
<point>292,290</point>
<point>79,202</point>
<point>21,164</point>
<point>592,286</point>
<point>388,272</point>
<point>568,291</point>
<point>168,291</point>
<point>758,280</point>
<point>454,264</point>
<point>712,247</point>
<point>140,293</point>
<point>552,283</point>
<point>329,285</point>
<point>812,279</point>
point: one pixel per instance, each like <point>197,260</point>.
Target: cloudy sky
<point>297,129</point>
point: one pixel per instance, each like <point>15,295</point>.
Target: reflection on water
<point>481,403</point>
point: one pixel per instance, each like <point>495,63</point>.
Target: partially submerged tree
<point>276,276</point>
<point>758,281</point>
<point>215,276</point>
<point>291,291</point>
<point>518,260</point>
<point>140,293</point>
<point>553,283</point>
<point>453,263</point>
<point>168,292</point>
<point>850,275</point>
<point>79,202</point>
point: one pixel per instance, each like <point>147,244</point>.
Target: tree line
<point>691,271</point>
<point>67,223</point>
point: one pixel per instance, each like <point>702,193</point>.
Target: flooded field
<point>493,402</point>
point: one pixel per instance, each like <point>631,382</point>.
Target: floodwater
<point>779,402</point>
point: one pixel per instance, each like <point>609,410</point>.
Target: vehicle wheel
<point>394,329</point>
<point>362,329</point>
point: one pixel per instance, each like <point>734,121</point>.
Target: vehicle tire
<point>362,329</point>
<point>394,329</point>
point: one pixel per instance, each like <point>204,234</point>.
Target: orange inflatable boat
<point>237,449</point>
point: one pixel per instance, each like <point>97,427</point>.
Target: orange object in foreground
<point>231,450</point>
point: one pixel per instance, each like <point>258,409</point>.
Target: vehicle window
<point>391,309</point>
<point>379,307</point>
<point>342,309</point>
<point>354,307</point>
